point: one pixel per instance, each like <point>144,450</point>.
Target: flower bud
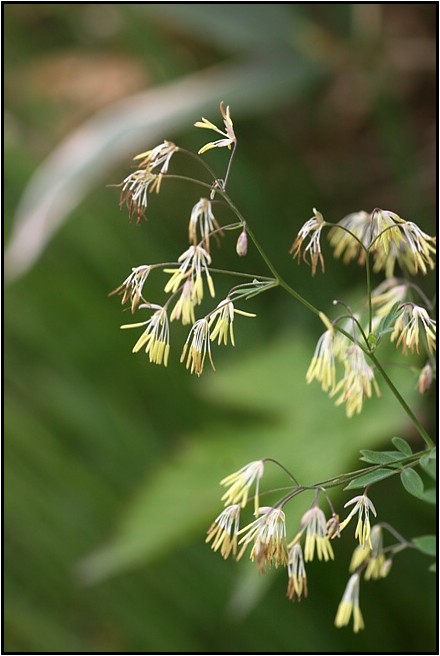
<point>242,244</point>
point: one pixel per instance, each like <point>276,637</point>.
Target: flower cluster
<point>191,273</point>
<point>266,536</point>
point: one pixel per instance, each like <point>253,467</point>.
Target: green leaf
<point>412,482</point>
<point>370,478</point>
<point>380,457</point>
<point>427,544</point>
<point>402,445</point>
<point>385,325</point>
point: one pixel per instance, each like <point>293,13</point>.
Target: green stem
<point>427,439</point>
<point>370,307</point>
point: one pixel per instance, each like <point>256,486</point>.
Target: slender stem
<point>428,441</point>
<point>229,166</point>
<point>370,306</point>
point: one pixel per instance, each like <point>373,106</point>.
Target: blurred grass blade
<point>87,155</point>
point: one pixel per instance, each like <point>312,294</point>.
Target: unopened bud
<point>242,244</point>
<point>425,379</point>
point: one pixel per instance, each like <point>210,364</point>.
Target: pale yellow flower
<point>314,524</point>
<point>131,288</point>
<point>155,336</point>
<point>268,533</point>
<point>360,555</point>
<point>240,483</point>
<point>376,568</point>
<point>198,345</point>
<point>158,156</point>
<point>228,135</point>
<point>135,189</point>
<point>362,506</point>
<point>223,317</point>
<point>312,251</point>
<point>350,605</point>
<point>413,320</point>
<point>202,217</point>
<point>224,531</point>
<point>297,583</point>
<point>323,365</point>
<point>346,244</point>
<point>387,294</point>
<point>193,262</point>
<point>184,307</point>
<point>358,382</point>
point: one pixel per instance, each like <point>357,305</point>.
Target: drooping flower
<point>350,604</point>
<point>268,533</point>
<point>197,345</point>
<point>223,317</point>
<point>387,294</point>
<point>240,483</point>
<point>349,235</point>
<point>312,252</point>
<point>323,365</point>
<point>297,583</point>
<point>376,568</point>
<point>184,307</point>
<point>131,288</point>
<point>224,531</point>
<point>358,381</point>
<point>155,337</point>
<point>228,135</point>
<point>410,323</point>
<point>193,262</point>
<point>362,506</point>
<point>314,524</point>
<point>203,219</point>
<point>159,156</point>
<point>135,189</point>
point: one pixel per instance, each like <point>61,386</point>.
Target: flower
<point>224,530</point>
<point>363,505</point>
<point>135,190</point>
<point>350,245</point>
<point>297,584</point>
<point>424,381</point>
<point>193,262</point>
<point>184,307</point>
<point>350,604</point>
<point>407,328</point>
<point>223,315</point>
<point>155,336</point>
<point>360,555</point>
<point>131,288</point>
<point>158,156</point>
<point>269,535</point>
<point>199,345</point>
<point>387,294</point>
<point>202,216</point>
<point>241,481</point>
<point>376,568</point>
<point>358,381</point>
<point>323,365</point>
<point>314,228</point>
<point>228,135</point>
<point>314,523</point>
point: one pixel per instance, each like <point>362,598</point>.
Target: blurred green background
<point>112,464</point>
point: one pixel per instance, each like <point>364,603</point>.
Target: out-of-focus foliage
<point>112,464</point>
